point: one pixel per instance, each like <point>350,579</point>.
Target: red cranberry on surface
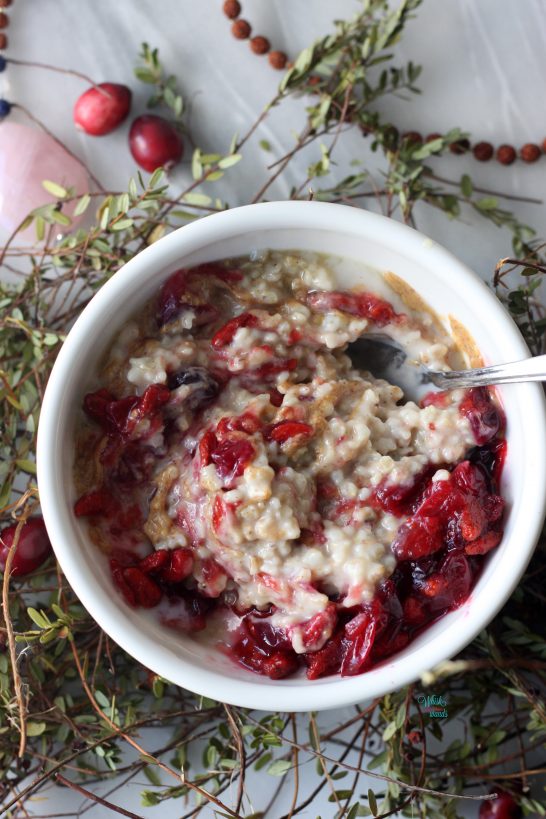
<point>100,109</point>
<point>503,807</point>
<point>155,142</point>
<point>33,546</point>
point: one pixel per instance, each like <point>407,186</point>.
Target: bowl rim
<point>253,691</point>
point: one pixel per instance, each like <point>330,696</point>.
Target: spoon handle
<point>530,369</point>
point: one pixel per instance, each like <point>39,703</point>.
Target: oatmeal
<point>248,481</point>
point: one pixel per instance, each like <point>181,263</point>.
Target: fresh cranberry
<point>100,109</point>
<point>484,417</point>
<point>283,430</point>
<point>155,142</point>
<point>226,333</point>
<point>363,305</point>
<point>231,459</point>
<point>33,546</point>
<point>503,807</point>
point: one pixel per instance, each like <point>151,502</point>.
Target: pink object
<point>28,157</point>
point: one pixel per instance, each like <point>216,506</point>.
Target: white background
<point>484,67</point>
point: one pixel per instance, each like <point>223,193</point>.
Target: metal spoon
<point>384,358</point>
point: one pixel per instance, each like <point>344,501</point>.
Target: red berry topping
<point>360,632</point>
<point>364,305</point>
<point>155,142</point>
<point>283,430</point>
<point>319,628</point>
<point>99,502</point>
<point>101,109</point>
<point>503,807</point>
<point>155,561</point>
<point>180,566</point>
<point>484,417</point>
<point>231,459</point>
<point>145,590</point>
<point>33,546</point>
<point>225,334</point>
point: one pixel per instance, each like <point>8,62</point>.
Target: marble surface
<point>484,66</point>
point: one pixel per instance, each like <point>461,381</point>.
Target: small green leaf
<point>54,189</point>
<point>487,203</point>
<point>35,729</point>
<point>265,145</point>
<point>389,731</point>
<point>38,617</point>
<point>228,161</point>
<point>27,466</point>
<point>193,198</point>
<point>82,205</point>
<point>466,186</point>
<point>279,767</point>
<point>372,802</point>
<point>123,224</point>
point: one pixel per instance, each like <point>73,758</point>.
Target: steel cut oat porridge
<point>248,483</point>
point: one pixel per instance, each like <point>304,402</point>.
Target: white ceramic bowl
<point>448,287</point>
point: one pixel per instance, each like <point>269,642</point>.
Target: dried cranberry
<point>207,444</point>
<point>280,664</point>
<point>283,430</point>
<point>33,546</point>
<point>364,305</point>
<point>504,806</point>
<point>225,334</point>
<point>147,593</point>
<point>231,459</point>
<point>483,416</point>
<point>247,422</point>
